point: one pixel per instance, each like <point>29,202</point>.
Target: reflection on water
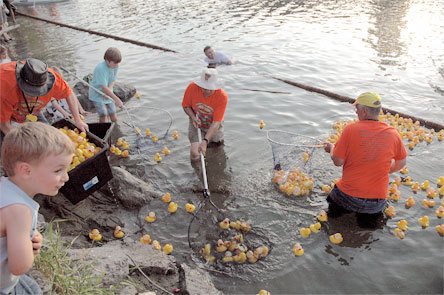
<point>327,44</point>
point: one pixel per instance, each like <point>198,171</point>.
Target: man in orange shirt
<point>27,87</point>
<point>368,150</point>
<point>205,104</point>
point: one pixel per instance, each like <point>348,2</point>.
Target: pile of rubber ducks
<point>338,127</point>
<point>84,149</point>
<point>294,182</point>
<point>233,248</point>
<point>121,148</point>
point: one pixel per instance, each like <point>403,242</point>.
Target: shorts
<point>193,137</point>
<point>105,109</point>
<point>354,204</point>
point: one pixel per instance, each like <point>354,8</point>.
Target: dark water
<point>393,47</point>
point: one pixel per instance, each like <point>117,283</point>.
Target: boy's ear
<point>23,169</point>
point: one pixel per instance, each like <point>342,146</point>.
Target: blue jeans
<point>354,204</point>
<point>105,109</point>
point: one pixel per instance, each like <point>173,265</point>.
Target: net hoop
<point>171,119</point>
<point>318,143</point>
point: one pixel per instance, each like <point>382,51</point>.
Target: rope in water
<point>426,123</point>
<point>98,33</point>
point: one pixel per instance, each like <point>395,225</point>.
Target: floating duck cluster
<point>175,135</point>
<point>84,149</point>
<point>146,240</point>
<point>338,127</point>
<point>294,182</point>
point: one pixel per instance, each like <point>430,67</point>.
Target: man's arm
<point>108,91</point>
<point>397,165</point>
<point>328,147</point>
<point>214,127</point>
<point>20,249</point>
<point>189,111</point>
<point>72,104</point>
<point>5,127</point>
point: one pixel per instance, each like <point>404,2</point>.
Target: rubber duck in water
<point>298,250</point>
<point>251,257</point>
<point>156,245</point>
<point>431,193</point>
<point>166,151</point>
<point>172,207</point>
<point>390,211</point>
<point>407,181</point>
<point>424,221</point>
<point>322,216</point>
<point>95,235</point>
<point>440,229</point>
<point>397,180</point>
<point>168,249</point>
<point>148,132</point>
<point>235,225</point>
<point>403,224</point>
<point>241,257</point>
<point>261,251</point>
<point>245,226</point>
<point>190,208</point>
<point>440,212</point>
<point>261,124</point>
<point>145,239</point>
<point>305,157</point>
<point>175,135</point>
<point>118,232</point>
<point>336,238</point>
<point>427,203</point>
<point>395,196</point>
<point>151,217</point>
<point>228,257</point>
<point>315,227</point>
<point>409,203</point>
<point>415,187</point>
<point>166,198</point>
<point>441,191</point>
<point>404,170</point>
<point>225,224</point>
<point>154,138</point>
<point>206,250</point>
<point>305,232</point>
<point>326,188</point>
<point>157,158</point>
<point>263,292</point>
<point>440,181</point>
<point>221,246</point>
<point>425,185</point>
<point>399,233</point>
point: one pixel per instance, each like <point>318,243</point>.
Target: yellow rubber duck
<point>241,257</point>
<point>440,212</point>
<point>175,135</point>
<point>431,193</point>
<point>399,233</point>
<point>190,208</point>
<point>156,245</point>
<point>168,249</point>
<point>395,196</point>
<point>245,226</point>
<point>154,138</point>
<point>263,292</point>
<point>206,250</point>
<point>261,251</point>
<point>225,224</point>
<point>428,203</point>
<point>336,238</point>
<point>172,207</point>
<point>298,250</point>
<point>315,227</point>
<point>157,158</point>
<point>403,224</point>
<point>117,151</point>
<point>424,221</point>
<point>390,211</point>
<point>261,124</point>
<point>228,257</point>
<point>305,157</point>
<point>440,181</point>
<point>440,229</point>
<point>147,131</point>
<point>221,246</point>
<point>404,170</point>
<point>397,181</point>
<point>251,257</point>
<point>125,154</point>
<point>409,203</point>
<point>235,224</point>
<point>415,187</point>
<point>232,246</point>
<point>166,198</point>
<point>145,239</point>
<point>151,217</point>
<point>441,191</point>
<point>305,232</point>
<point>407,181</point>
<point>425,185</point>
<point>118,232</point>
<point>166,151</point>
<point>322,216</point>
<point>326,188</point>
<point>95,235</point>
<point>239,238</point>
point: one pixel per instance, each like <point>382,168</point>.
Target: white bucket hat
<point>207,79</point>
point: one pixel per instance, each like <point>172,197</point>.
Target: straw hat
<point>208,79</point>
<point>33,77</point>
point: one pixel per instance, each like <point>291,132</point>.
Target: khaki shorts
<point>193,137</point>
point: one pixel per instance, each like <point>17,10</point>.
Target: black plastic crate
<point>89,175</point>
<point>102,130</point>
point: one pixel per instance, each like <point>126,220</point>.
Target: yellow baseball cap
<point>368,99</point>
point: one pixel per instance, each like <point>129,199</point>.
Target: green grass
<point>65,275</point>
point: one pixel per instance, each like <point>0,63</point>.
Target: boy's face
<point>50,174</point>
<point>112,64</point>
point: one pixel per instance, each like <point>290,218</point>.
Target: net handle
<point>320,143</point>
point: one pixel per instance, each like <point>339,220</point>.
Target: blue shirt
<point>102,76</point>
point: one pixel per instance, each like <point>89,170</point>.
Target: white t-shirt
<point>219,58</point>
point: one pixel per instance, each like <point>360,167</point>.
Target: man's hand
<point>118,102</point>
<point>328,147</point>
<point>36,240</point>
<point>196,122</point>
<point>82,125</point>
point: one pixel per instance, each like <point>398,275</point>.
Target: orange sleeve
<point>219,111</point>
<point>60,89</point>
<point>186,101</point>
<point>340,149</point>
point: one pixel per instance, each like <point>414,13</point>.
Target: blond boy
<point>35,159</point>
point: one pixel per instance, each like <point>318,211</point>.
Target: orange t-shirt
<point>211,108</point>
<point>367,148</point>
<point>12,103</point>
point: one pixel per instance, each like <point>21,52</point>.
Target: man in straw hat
<point>27,87</point>
<point>368,150</point>
<point>204,103</point>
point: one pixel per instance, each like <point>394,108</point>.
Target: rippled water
<point>393,47</point>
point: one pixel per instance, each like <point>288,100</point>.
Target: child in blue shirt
<point>105,73</point>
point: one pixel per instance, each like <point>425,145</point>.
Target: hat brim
<point>33,90</point>
<point>206,84</point>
